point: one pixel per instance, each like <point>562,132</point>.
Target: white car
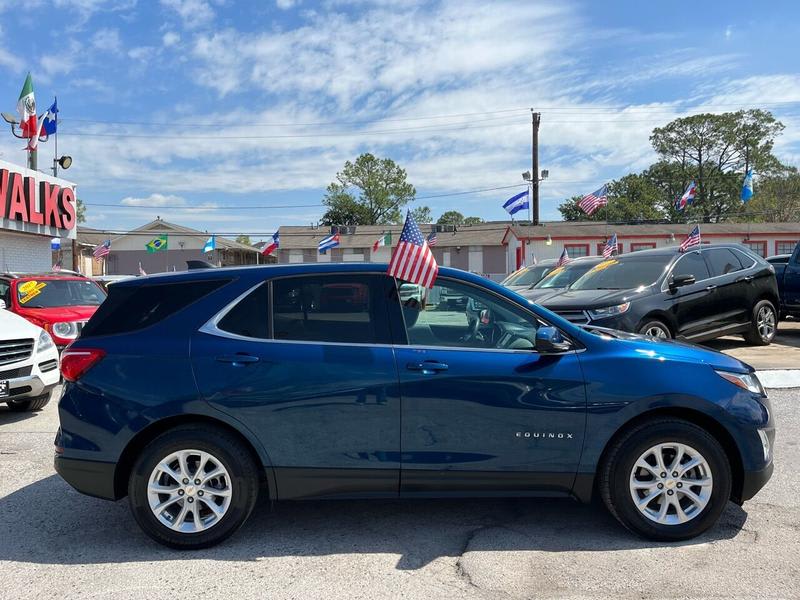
<point>28,363</point>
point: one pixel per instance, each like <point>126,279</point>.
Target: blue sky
<point>180,109</point>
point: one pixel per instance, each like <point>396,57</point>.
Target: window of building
<point>576,250</point>
<point>353,255</point>
<point>456,315</point>
<point>692,263</point>
<point>785,246</point>
<point>642,246</point>
<point>347,309</point>
<point>759,248</point>
<point>722,261</point>
<point>249,317</point>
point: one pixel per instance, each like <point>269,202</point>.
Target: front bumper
<point>89,477</point>
<point>753,481</point>
<point>32,386</point>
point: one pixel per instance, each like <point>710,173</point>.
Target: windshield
<point>527,276</point>
<point>626,273</point>
<point>51,293</point>
<point>562,277</point>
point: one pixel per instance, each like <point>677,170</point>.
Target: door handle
<point>429,366</point>
<point>747,278</point>
<point>710,288</point>
<point>237,360</point>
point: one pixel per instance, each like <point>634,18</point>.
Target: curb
<point>779,378</point>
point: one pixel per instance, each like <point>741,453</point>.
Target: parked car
<point>59,303</point>
<point>526,277</point>
<point>716,290</point>
<point>787,272</point>
<point>28,363</point>
<point>193,393</point>
<point>560,278</point>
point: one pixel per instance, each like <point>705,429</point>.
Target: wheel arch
<point>149,433</point>
<point>659,315</point>
<point>699,418</point>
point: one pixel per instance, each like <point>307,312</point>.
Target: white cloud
<point>194,13</point>
<point>154,199</point>
<point>107,40</point>
<point>285,4</point>
<point>170,38</point>
<point>143,53</point>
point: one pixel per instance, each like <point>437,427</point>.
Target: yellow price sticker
<point>604,265</point>
<point>30,289</point>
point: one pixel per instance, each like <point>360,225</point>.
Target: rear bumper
<point>753,481</point>
<point>88,477</point>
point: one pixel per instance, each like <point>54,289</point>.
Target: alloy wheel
<point>671,483</point>
<point>765,321</point>
<point>656,332</point>
<point>189,491</point>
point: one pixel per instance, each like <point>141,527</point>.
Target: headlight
<point>45,342</point>
<point>746,381</point>
<point>609,311</point>
<point>66,329</point>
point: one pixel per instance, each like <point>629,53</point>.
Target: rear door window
<point>347,309</point>
<point>722,261</point>
<point>691,264</point>
<point>136,307</point>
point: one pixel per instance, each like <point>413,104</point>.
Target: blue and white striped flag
<point>517,203</point>
<point>327,243</point>
<point>747,186</point>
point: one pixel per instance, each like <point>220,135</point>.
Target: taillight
<point>76,361</point>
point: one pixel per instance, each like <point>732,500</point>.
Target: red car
<point>59,303</point>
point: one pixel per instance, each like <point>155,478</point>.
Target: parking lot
<point>55,543</point>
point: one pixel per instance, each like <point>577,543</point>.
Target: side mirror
<point>678,281</point>
<point>550,341</point>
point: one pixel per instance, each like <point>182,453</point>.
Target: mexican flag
<point>26,107</point>
<point>384,240</point>
<point>160,243</point>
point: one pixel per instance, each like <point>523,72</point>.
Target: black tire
<point>234,457</point>
<point>756,335</point>
<point>654,324</point>
<point>29,404</point>
<point>617,467</point>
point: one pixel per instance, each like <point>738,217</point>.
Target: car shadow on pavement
<point>8,416</point>
<point>76,529</point>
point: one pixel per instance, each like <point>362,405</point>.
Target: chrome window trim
<point>211,326</point>
<point>665,286</point>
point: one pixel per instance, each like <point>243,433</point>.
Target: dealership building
<point>34,209</point>
<point>497,248</point>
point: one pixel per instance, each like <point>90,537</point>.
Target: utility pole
<point>535,119</point>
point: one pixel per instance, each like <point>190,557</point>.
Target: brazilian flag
<point>160,243</point>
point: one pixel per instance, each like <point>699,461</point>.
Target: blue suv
<point>194,393</point>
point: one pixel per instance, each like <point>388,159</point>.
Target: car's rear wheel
<point>656,329</point>
<point>666,480</point>
<point>763,325</point>
<point>193,487</point>
<point>29,404</point>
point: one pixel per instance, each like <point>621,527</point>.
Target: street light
<point>65,162</point>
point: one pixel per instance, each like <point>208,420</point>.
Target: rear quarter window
<point>130,309</point>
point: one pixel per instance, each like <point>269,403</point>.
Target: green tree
<point>451,217</point>
<point>243,239</point>
<point>422,214</point>
<point>632,198</point>
<point>715,150</point>
<point>776,196</point>
<point>472,220</point>
<point>80,211</point>
<point>369,191</point>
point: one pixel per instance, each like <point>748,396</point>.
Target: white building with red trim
<point>548,240</point>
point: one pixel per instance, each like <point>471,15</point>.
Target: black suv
<point>708,292</point>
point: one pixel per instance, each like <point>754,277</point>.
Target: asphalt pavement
<point>56,543</point>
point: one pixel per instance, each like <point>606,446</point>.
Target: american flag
<point>564,259</point>
<point>693,239</point>
<point>102,250</point>
<point>432,239</point>
<point>591,202</point>
<point>412,259</point>
<point>611,246</point>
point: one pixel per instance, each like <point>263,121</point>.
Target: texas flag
<point>273,245</point>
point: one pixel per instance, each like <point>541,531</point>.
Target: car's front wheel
<point>666,479</point>
<point>763,324</point>
<point>656,329</point>
<point>193,486</point>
